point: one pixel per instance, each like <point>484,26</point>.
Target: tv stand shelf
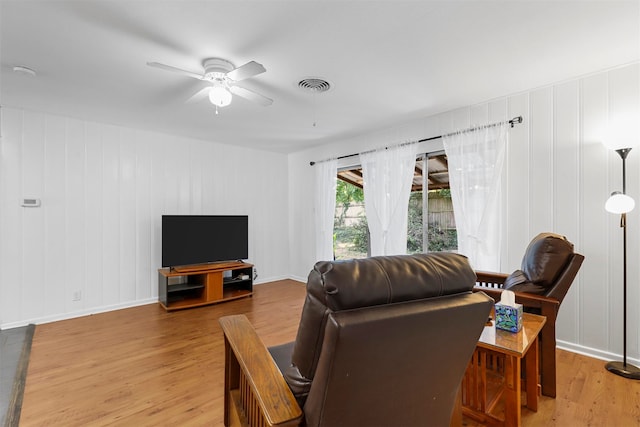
<point>195,286</point>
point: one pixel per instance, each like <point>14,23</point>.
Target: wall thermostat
<point>30,203</point>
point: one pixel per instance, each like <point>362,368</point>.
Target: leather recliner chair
<point>382,341</point>
<point>548,268</point>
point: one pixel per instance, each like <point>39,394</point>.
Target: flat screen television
<point>199,239</point>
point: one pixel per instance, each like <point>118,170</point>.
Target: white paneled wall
<point>558,176</point>
<point>96,236</point>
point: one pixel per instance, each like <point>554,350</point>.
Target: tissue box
<point>509,318</point>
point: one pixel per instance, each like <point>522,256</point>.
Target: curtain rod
<point>512,122</point>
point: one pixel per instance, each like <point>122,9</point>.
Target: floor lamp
<point>621,203</point>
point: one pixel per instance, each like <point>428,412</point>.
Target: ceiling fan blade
<point>251,95</point>
<point>245,71</point>
<point>199,95</point>
<point>174,70</point>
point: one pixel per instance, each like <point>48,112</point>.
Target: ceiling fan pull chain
<point>315,108</point>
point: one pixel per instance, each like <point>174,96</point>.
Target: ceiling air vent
<point>314,84</point>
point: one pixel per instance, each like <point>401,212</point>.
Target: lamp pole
<point>623,368</point>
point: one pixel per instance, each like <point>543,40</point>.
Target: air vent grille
<point>315,85</point>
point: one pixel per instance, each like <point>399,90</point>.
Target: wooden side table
<point>494,373</point>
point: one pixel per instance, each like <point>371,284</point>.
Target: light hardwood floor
<point>145,367</point>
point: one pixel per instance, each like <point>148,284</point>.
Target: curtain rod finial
<point>515,121</point>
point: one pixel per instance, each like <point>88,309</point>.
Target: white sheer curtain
<point>387,175</point>
<point>476,161</point>
<point>325,207</point>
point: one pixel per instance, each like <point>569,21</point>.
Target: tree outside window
<point>351,234</point>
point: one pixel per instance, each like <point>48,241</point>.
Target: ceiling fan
<point>222,76</point>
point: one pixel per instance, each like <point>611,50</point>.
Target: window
<point>434,232</point>
<point>437,231</point>
<point>350,230</point>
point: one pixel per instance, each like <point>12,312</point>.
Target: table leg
<point>513,394</point>
<point>532,369</point>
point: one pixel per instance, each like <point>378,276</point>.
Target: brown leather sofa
<point>382,341</point>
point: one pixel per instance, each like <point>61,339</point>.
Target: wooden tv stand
<point>198,285</point>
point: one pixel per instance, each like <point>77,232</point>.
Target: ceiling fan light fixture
<point>222,77</point>
<point>220,96</point>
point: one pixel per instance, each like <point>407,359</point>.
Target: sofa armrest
<point>546,304</point>
<point>494,293</point>
<point>538,301</point>
<point>255,391</point>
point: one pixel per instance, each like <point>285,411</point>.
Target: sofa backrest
<point>341,285</point>
<point>548,268</point>
<point>369,287</point>
<point>399,364</point>
<point>545,258</point>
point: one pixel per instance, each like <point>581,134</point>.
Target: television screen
<point>198,239</point>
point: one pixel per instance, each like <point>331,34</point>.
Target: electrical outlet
<point>77,296</point>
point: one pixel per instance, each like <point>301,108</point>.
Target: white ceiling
<point>388,61</point>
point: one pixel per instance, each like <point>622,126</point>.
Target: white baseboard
<point>119,306</point>
<point>276,278</point>
<point>260,281</point>
<point>299,279</point>
<point>79,313</point>
<point>593,352</point>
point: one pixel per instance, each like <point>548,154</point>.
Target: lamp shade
<point>619,203</point>
<point>622,132</point>
<point>220,96</point>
